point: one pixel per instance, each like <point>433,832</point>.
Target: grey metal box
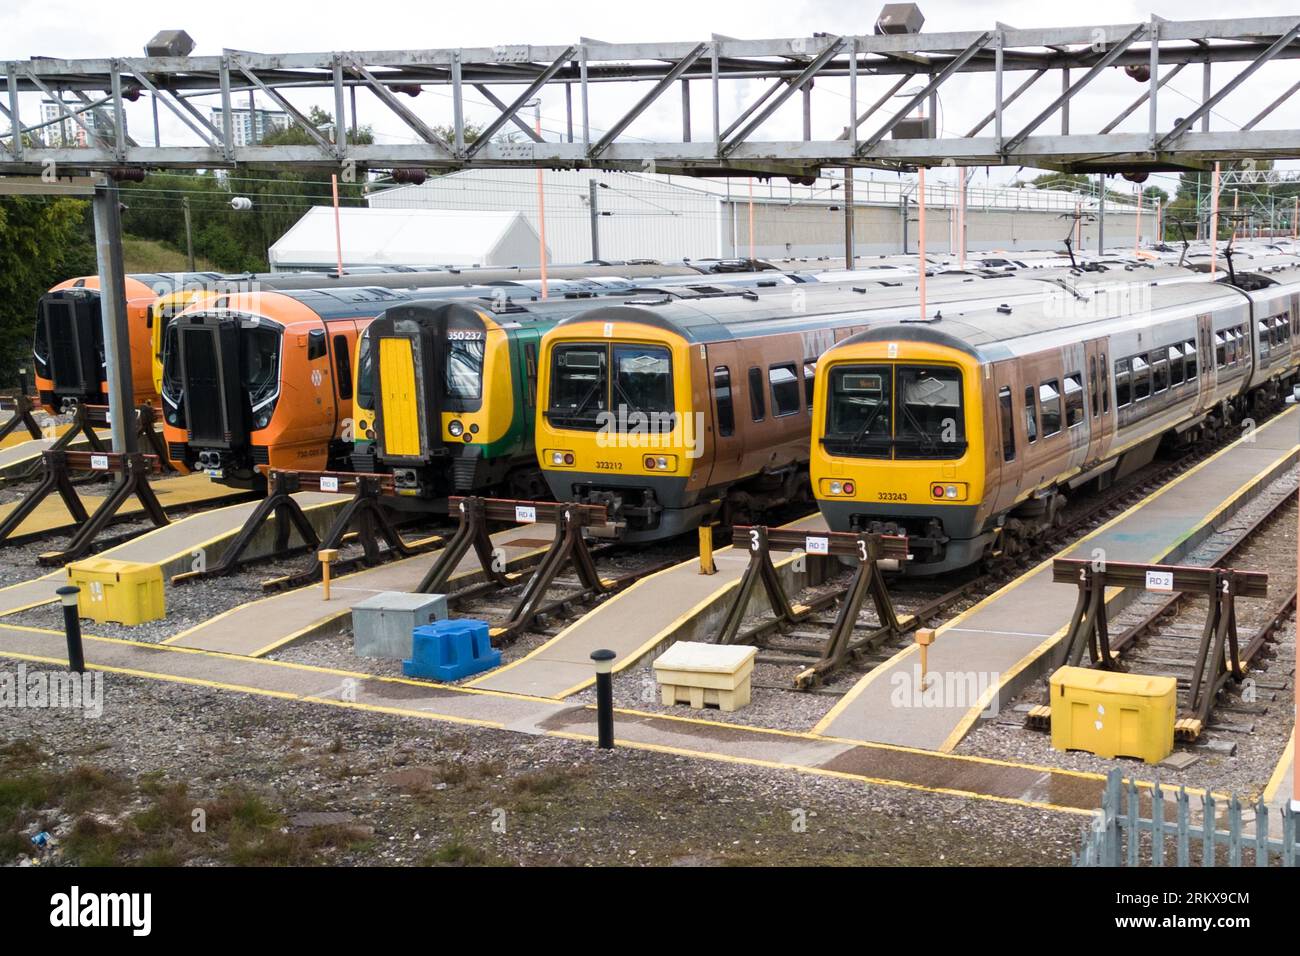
<point>915,127</point>
<point>900,18</point>
<point>382,625</point>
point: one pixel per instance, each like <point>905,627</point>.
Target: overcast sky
<point>68,28</point>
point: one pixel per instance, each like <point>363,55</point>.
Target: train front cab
<point>616,422</point>
<point>68,346</point>
<point>899,444</point>
<point>445,400</point>
<point>243,392</point>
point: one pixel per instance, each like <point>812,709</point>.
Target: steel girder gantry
<point>201,91</point>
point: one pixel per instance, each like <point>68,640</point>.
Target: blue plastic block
<point>450,650</point>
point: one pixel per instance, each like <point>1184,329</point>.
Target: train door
<point>1008,438</point>
<point>1097,399</point>
<point>722,441</point>
<point>341,338</point>
<point>320,386</point>
<point>526,347</point>
<point>1205,361</point>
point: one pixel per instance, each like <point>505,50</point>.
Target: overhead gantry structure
<point>880,80</point>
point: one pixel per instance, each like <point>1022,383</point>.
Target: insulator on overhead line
<point>410,175</point>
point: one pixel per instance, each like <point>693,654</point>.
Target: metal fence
<point>1137,825</point>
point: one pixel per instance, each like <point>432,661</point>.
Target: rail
<point>868,550</point>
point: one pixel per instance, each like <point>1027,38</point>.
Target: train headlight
<point>949,491</point>
<point>837,488</point>
<point>456,428</point>
<point>660,462</point>
<point>560,459</point>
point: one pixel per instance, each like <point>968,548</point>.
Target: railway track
<point>785,652</point>
<point>566,595</point>
<point>1160,635</point>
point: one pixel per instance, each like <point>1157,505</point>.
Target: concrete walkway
<point>675,604</point>
<point>999,646</point>
<point>973,777</point>
<point>257,628</point>
<point>176,546</point>
<point>186,491</point>
<point>18,456</point>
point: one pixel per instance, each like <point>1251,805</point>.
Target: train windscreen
<point>464,379</point>
<point>589,381</point>
<point>905,411</point>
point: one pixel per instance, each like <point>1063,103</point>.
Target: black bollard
<point>72,627</point>
<point>604,698</point>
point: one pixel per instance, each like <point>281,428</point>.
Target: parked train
<point>967,432</point>
<point>446,391</point>
<point>669,411</point>
<point>263,379</point>
<point>68,345</point>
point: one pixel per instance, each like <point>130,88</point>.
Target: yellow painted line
<point>292,665</point>
<point>858,689</point>
<point>821,772</point>
<point>170,678</point>
<point>1279,772</point>
<point>1227,505</point>
<point>498,725</point>
<point>316,625</point>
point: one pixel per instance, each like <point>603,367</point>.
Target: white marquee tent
<point>411,237</point>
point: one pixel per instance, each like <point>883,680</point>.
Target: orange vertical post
<point>338,231</point>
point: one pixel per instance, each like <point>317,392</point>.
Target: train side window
<point>1031,415</point>
<point>757,399</point>
<point>809,378</point>
<point>722,398</point>
<point>315,344</point>
<point>1159,372</point>
<point>1092,386</point>
<point>1008,424</point>
<point>1220,350</point>
<point>1105,385</point>
<point>530,374</point>
<point>1189,349</point>
<point>1049,402</point>
<point>1141,378</point>
<point>785,389</point>
<point>1175,365</point>
<point>1074,400</point>
<point>342,367</point>
<point>1123,384</point>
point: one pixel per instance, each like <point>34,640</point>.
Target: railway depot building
<point>640,215</point>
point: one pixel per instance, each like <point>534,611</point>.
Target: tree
<point>42,242</point>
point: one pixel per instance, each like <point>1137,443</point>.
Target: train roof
<point>825,304</point>
<point>995,333</point>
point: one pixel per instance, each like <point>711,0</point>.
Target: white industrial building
<point>640,215</point>
<point>405,237</point>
